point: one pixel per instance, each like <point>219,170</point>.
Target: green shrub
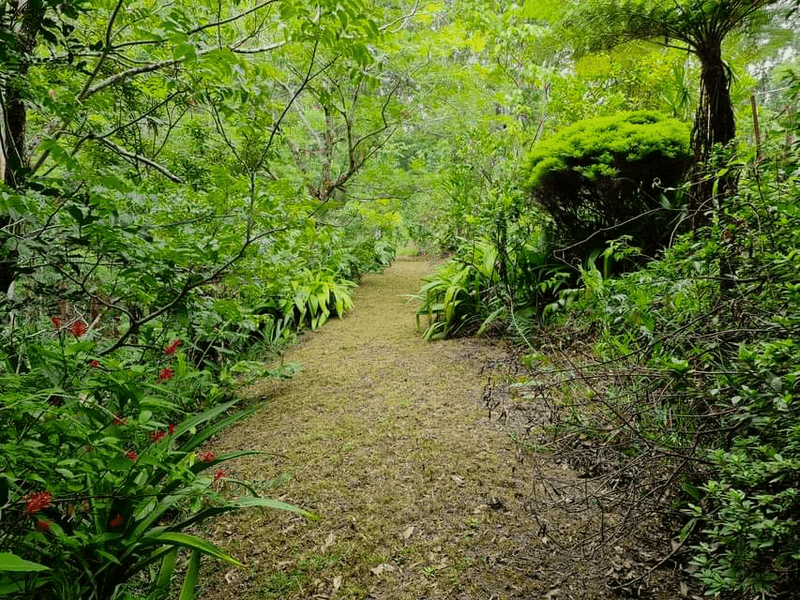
<point>603,178</point>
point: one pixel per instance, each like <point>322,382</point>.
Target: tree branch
<point>138,158</point>
<point>106,50</point>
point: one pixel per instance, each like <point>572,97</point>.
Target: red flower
<point>119,420</point>
<point>94,364</point>
<point>37,502</point>
<point>116,521</point>
<point>219,474</point>
<point>78,328</point>
<point>42,526</point>
<point>171,429</point>
<point>166,374</point>
<point>157,436</point>
<point>131,455</point>
<point>56,323</point>
<point>207,456</point>
<point>172,347</point>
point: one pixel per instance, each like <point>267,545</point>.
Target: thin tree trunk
<point>714,125</point>
<point>15,122</point>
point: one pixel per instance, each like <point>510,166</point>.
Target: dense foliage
<point>700,27</point>
<point>721,376</point>
<point>698,348</point>
<point>608,177</point>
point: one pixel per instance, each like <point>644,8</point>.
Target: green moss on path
<point>419,494</point>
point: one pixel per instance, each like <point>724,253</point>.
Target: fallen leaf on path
<point>381,569</point>
<point>328,542</point>
<point>231,576</point>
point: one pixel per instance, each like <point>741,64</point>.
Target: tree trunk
<point>714,125</point>
<point>14,145</point>
<point>15,121</point>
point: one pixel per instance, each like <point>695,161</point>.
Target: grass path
<point>384,436</point>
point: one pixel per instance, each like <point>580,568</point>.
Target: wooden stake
<point>756,130</point>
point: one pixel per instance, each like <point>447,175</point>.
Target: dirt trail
<point>419,493</point>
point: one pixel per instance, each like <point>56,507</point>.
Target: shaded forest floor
<point>420,490</point>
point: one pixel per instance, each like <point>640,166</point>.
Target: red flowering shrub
<point>116,521</point>
<point>78,328</point>
<point>207,456</point>
<point>120,498</point>
<point>37,502</point>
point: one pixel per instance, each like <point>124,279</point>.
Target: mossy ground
<point>419,492</point>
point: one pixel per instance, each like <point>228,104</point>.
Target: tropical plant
<point>719,384</point>
<point>142,223</point>
<point>128,476</point>
<point>456,298</point>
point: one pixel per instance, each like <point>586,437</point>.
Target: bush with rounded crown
<point>606,177</point>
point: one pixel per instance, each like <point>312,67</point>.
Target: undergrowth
<point>687,408</point>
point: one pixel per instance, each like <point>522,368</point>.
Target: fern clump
<point>606,177</point>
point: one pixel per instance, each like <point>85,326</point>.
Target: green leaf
<point>12,562</point>
<point>206,433</point>
<point>172,538</point>
<point>190,579</point>
<point>110,558</point>
<point>249,501</point>
<point>192,422</point>
<point>167,568</point>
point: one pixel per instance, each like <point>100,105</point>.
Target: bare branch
<point>82,94</point>
<point>402,20</point>
<point>256,8</point>
<point>260,50</point>
<point>139,158</point>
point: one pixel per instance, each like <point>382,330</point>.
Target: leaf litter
<point>421,485</point>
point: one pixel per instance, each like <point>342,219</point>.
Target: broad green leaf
<point>188,589</point>
<point>171,538</point>
<point>12,562</point>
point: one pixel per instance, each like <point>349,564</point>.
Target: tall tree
<point>696,26</point>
